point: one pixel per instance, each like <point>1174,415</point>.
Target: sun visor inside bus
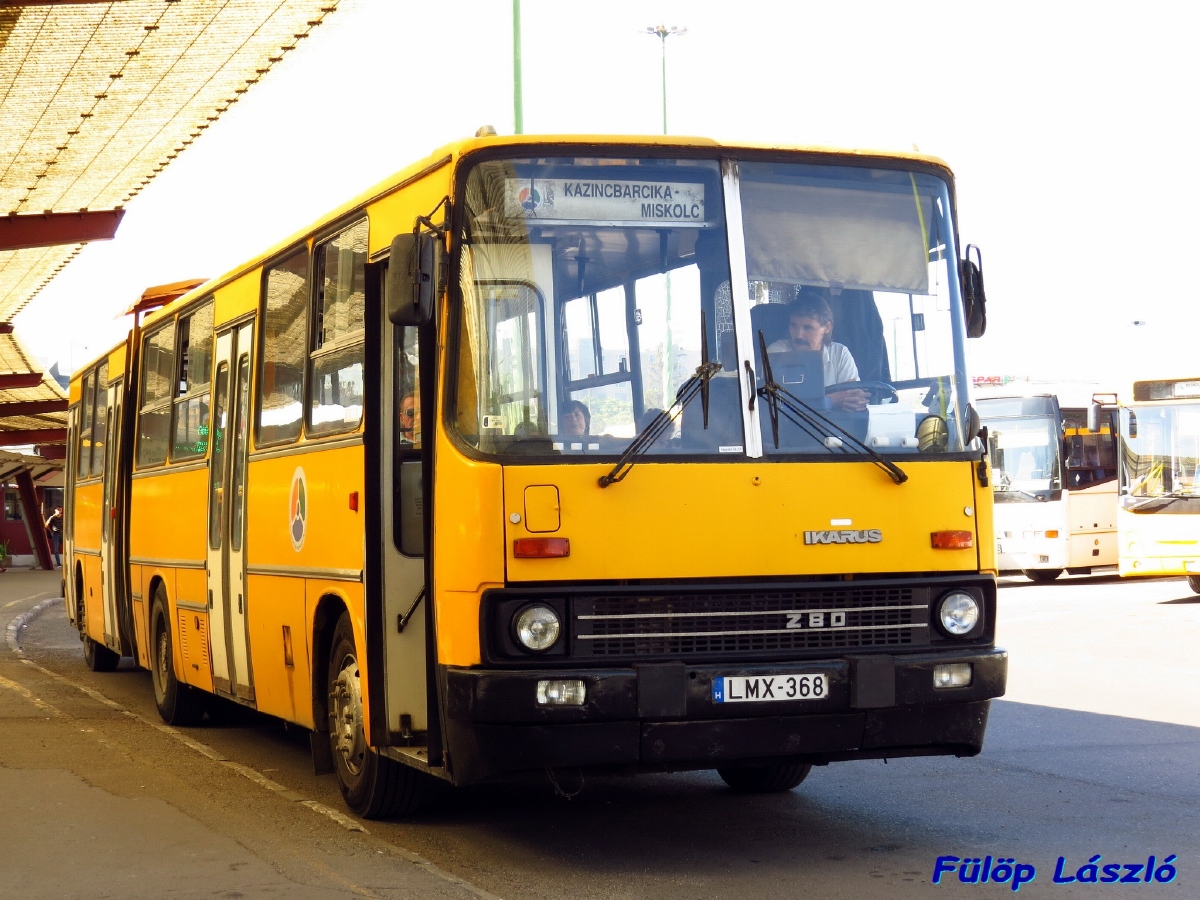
<point>815,234</point>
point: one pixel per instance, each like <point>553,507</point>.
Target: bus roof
<point>1070,394</point>
<point>451,153</point>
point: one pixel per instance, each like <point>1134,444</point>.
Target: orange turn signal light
<point>952,540</point>
<point>1052,534</point>
<point>541,548</point>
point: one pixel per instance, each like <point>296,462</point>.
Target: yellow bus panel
<point>169,519</point>
<point>838,518</point>
<point>274,603</point>
<point>237,298</point>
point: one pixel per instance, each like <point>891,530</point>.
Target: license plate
<point>768,688</point>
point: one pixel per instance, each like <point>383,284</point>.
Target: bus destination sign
<point>555,200</point>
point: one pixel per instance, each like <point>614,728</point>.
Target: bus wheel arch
<point>96,656</point>
<point>79,604</point>
<point>372,785</point>
<point>329,611</point>
<point>178,703</point>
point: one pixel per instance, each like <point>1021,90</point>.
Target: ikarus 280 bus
<point>532,457</point>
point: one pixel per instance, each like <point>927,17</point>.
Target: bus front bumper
<point>662,716</point>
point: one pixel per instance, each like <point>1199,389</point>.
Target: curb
<point>14,627</point>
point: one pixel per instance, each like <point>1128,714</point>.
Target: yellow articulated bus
<point>1158,521</point>
<point>601,454</point>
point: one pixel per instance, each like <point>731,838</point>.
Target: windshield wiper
<point>697,384</point>
<point>813,423</point>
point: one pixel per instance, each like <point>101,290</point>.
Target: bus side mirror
<point>412,278</point>
<point>974,301</point>
<point>1093,417</point>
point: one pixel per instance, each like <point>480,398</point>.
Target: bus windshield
<point>1024,442</point>
<point>593,288</point>
<point>1160,456</point>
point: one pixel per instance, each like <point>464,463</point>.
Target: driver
<point>810,327</point>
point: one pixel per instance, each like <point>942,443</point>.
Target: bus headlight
<point>537,627</point>
<point>958,613</point>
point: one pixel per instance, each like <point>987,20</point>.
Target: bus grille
<point>752,622</point>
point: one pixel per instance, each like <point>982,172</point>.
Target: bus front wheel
<point>765,779</point>
<point>1041,575</point>
<point>373,786</point>
<point>1194,583</point>
<point>178,704</point>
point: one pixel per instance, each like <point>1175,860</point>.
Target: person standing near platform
<point>54,533</point>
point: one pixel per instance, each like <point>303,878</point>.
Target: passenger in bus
<point>574,418</point>
<point>810,327</point>
<point>410,419</point>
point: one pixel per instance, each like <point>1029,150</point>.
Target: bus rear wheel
<point>1194,583</point>
<point>372,785</point>
<point>96,656</point>
<point>1041,575</point>
<point>178,704</point>
<point>765,779</point>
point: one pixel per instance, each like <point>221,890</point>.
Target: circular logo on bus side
<point>298,509</point>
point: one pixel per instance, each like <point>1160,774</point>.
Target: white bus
<point>1054,479</point>
<point>1158,518</point>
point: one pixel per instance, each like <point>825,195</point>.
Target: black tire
<point>98,657</point>
<point>1194,583</point>
<point>1042,576</point>
<point>373,786</point>
<point>765,779</point>
<point>178,704</point>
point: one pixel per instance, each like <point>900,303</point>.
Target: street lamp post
<point>662,32</point>
<point>518,111</point>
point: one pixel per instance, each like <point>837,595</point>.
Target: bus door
<point>403,434</point>
<point>111,580</point>
<point>67,555</point>
<point>229,635</point>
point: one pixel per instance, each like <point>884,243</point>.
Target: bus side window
<point>409,494</point>
<point>336,361</point>
<point>154,414</point>
<point>100,419</point>
<point>191,391</point>
<point>280,409</point>
<point>87,402</point>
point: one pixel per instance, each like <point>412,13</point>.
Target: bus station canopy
<point>97,98</point>
<point>44,472</point>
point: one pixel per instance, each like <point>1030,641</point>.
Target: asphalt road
<point>1095,750</point>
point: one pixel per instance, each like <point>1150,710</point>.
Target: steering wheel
<point>880,391</point>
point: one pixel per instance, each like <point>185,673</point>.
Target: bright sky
<point>1069,128</point>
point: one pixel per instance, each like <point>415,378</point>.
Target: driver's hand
<point>853,400</point>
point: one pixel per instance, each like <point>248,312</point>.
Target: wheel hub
<point>160,670</point>
<point>346,717</point>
